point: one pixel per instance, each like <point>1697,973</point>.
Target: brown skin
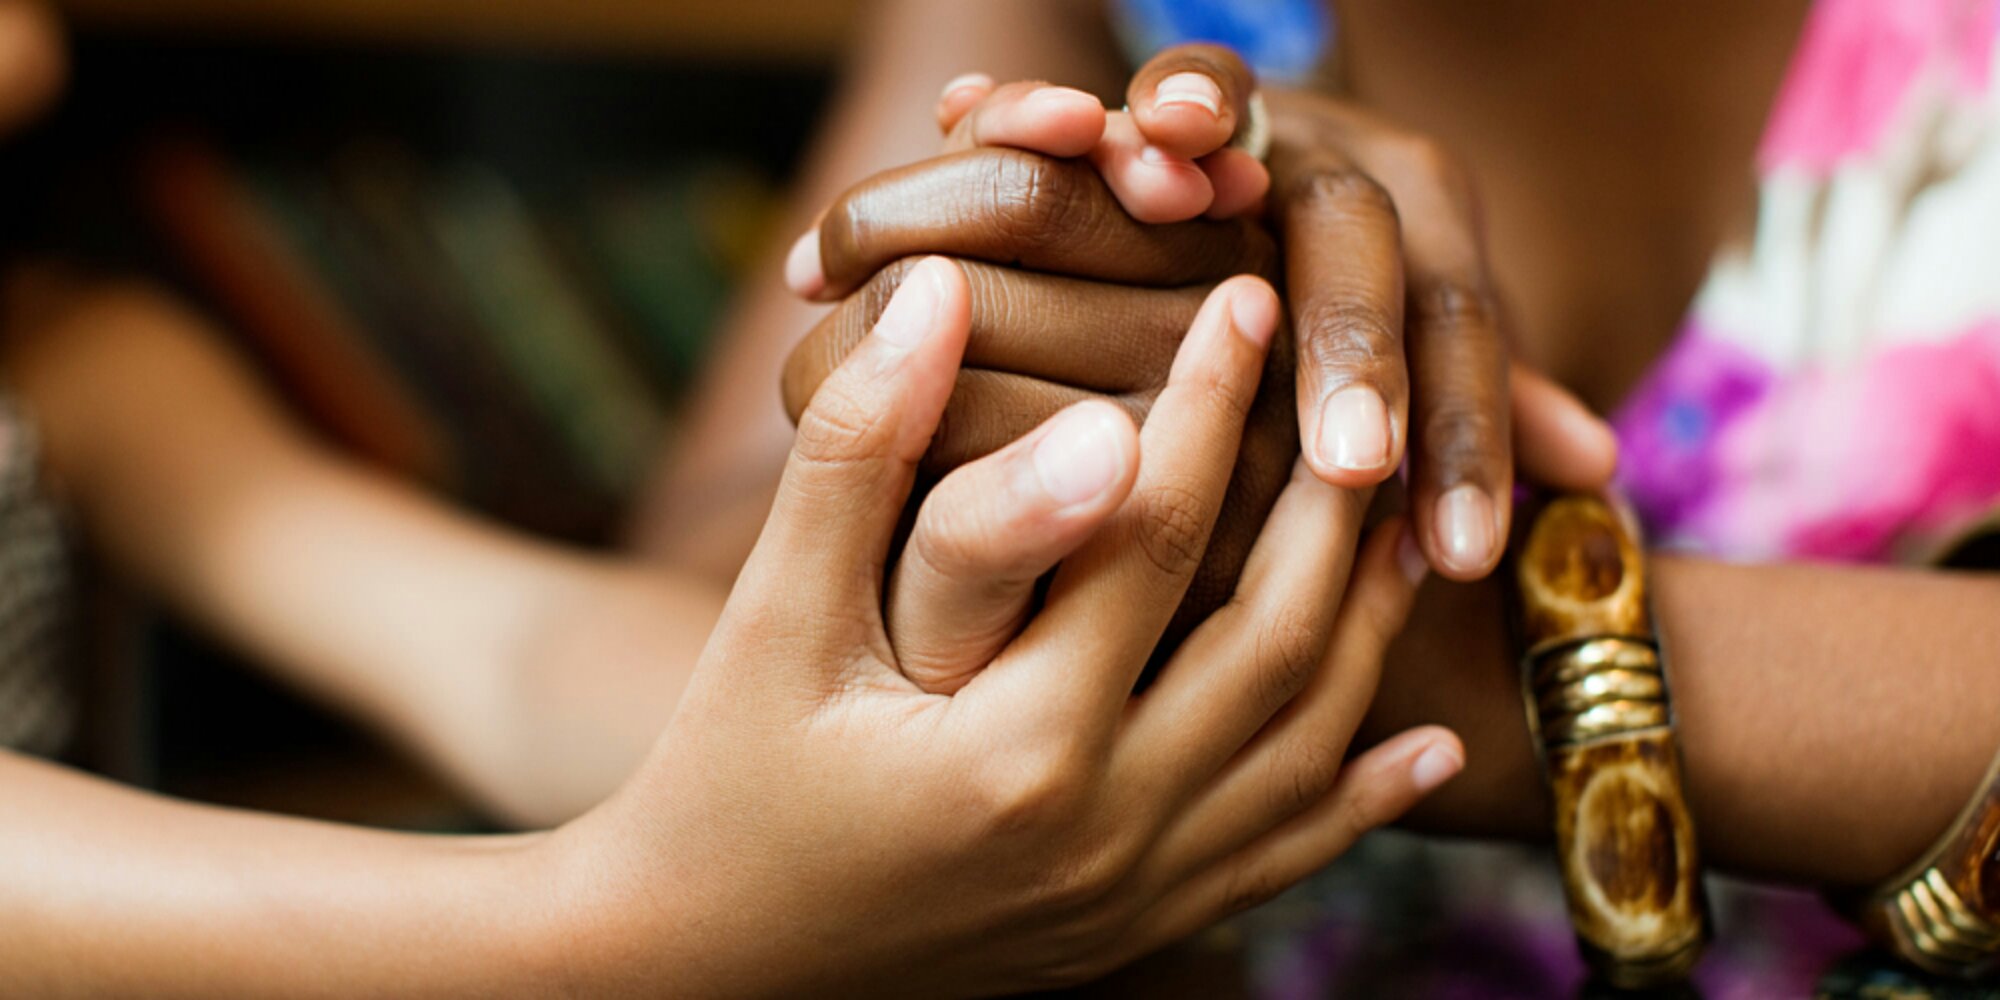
<point>1609,168</point>
<point>1041,839</point>
<point>1127,290</point>
<point>1790,776</point>
<point>1036,827</point>
<point>1030,839</point>
<point>1832,719</point>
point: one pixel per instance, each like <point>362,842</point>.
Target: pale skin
<point>812,817</point>
<point>529,675</point>
<point>806,788</point>
<point>1834,719</point>
<point>1894,774</point>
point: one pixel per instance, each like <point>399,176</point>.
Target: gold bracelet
<point>1596,693</point>
<point>1942,914</point>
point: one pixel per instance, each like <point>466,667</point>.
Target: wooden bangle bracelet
<point>1596,694</point>
<point>1942,914</point>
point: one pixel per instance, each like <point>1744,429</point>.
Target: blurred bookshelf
<point>491,269</point>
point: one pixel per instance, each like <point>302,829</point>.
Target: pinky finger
<point>1373,790</point>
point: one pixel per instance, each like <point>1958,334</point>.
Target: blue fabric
<point>1280,39</point>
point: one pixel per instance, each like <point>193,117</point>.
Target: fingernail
<point>802,269</point>
<point>1254,312</point>
<point>1435,766</point>
<point>912,311</point>
<point>1155,156</point>
<point>1189,88</point>
<point>1047,100</point>
<point>1465,528</point>
<point>1081,456</point>
<point>1410,558</point>
<point>962,81</point>
<point>1354,430</point>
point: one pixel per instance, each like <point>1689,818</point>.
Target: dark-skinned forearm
<point>1832,719</point>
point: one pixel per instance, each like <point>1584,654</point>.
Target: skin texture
<point>1048,842</point>
<point>1354,262</point>
<point>522,671</point>
<point>1036,827</point>
<point>1025,213</point>
<point>993,839</point>
<point>1754,650</point>
<point>1806,757</point>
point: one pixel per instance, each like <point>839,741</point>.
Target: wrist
<point>613,910</point>
<point>539,926</point>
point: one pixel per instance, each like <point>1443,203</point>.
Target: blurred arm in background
<point>33,65</point>
<point>710,496</point>
<point>531,676</point>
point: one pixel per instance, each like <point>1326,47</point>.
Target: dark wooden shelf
<point>768,30</point>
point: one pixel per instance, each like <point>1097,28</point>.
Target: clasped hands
<point>921,764</point>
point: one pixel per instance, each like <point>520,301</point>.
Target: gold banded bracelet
<point>1942,914</point>
<point>1596,694</point>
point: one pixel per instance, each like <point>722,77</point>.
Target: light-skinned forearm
<point>110,892</point>
<point>710,496</point>
<point>1832,719</point>
<point>533,676</point>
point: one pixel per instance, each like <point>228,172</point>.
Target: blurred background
<point>478,243</point>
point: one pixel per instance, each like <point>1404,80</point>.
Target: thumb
<point>991,529</point>
<point>1189,99</point>
<point>858,443</point>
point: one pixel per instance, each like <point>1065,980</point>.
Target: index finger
<point>1345,277</point>
<point>1189,99</point>
<point>1021,209</point>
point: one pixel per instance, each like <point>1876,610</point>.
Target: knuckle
<point>1457,305</point>
<point>1172,530</point>
<point>1307,768</point>
<point>953,540</point>
<point>1427,157</point>
<point>1249,890</point>
<point>1339,189</point>
<point>845,231</point>
<point>1225,390</point>
<point>1288,652</point>
<point>1348,330</point>
<point>1036,200</point>
<point>839,428</point>
<point>1378,624</point>
<point>1033,791</point>
<point>1086,885</point>
<point>1357,814</point>
<point>1458,434</point>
